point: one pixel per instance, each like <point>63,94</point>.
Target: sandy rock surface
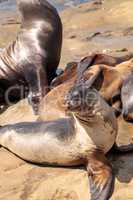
<point>92,27</point>
<point>87,28</point>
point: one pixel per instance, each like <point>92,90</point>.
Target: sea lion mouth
<point>85,117</point>
<point>81,110</point>
<point>84,120</point>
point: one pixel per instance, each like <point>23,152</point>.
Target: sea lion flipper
<point>100,175</point>
<point>83,65</point>
<point>95,78</point>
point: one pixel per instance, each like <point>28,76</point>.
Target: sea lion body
<point>64,140</point>
<point>32,59</point>
<point>83,137</point>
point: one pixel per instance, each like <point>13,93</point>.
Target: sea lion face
<point>81,101</point>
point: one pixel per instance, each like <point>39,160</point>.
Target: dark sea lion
<point>124,71</point>
<point>84,137</point>
<point>32,59</point>
<point>127,99</point>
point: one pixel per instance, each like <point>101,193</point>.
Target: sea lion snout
<point>128,116</point>
<point>34,100</point>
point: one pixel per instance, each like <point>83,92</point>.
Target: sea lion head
<point>81,101</point>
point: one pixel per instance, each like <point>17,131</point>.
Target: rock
<point>122,50</point>
<point>21,180</point>
<point>110,28</point>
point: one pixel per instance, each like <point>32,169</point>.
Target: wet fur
<point>33,54</point>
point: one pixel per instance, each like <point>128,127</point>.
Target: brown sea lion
<point>85,63</point>
<point>83,137</point>
<point>111,79</point>
<point>116,87</point>
<point>32,59</point>
<point>107,81</point>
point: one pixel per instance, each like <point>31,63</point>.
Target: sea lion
<point>106,80</point>
<point>127,98</point>
<point>85,63</point>
<point>84,137</point>
<point>110,81</point>
<point>32,59</point>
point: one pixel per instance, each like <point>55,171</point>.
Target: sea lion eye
<point>73,98</point>
<point>91,98</point>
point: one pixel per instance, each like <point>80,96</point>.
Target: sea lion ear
<point>95,79</point>
<point>82,66</point>
<point>127,98</point>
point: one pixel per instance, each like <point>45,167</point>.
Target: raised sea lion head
<point>81,101</point>
<point>83,97</point>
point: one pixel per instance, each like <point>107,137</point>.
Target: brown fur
<point>110,82</point>
<point>54,102</point>
<point>94,59</point>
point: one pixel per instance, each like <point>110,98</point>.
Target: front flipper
<point>101,178</point>
<point>83,65</point>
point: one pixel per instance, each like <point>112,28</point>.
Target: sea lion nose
<point>125,116</point>
<point>67,101</point>
<point>128,116</point>
<point>34,100</point>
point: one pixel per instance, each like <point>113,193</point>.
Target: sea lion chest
<point>100,127</point>
<point>96,134</point>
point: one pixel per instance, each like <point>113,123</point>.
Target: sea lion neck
<point>102,115</point>
<point>82,122</point>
